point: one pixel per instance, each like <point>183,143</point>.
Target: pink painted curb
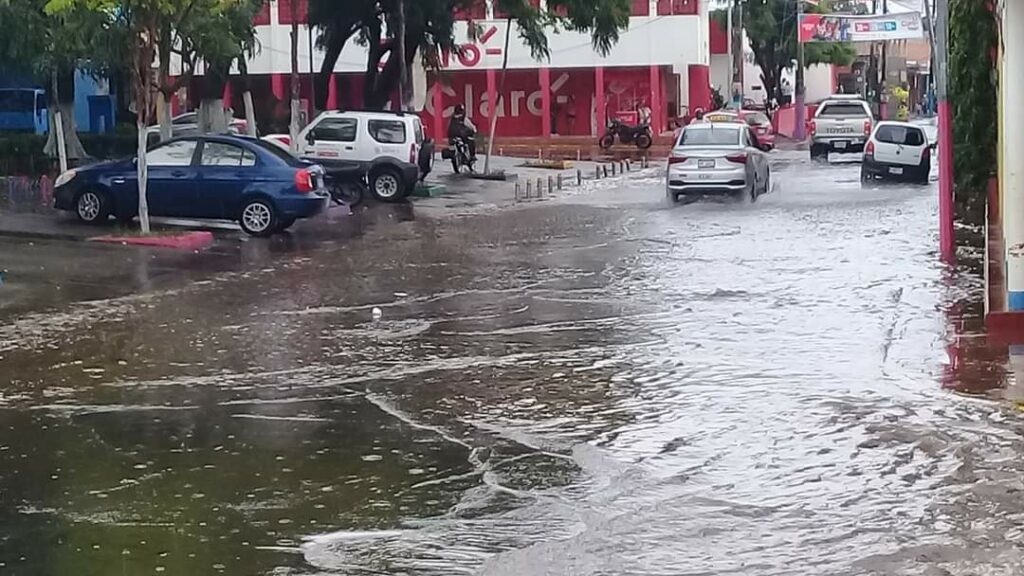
<point>183,241</point>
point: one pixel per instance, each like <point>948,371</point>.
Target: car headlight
<point>65,178</point>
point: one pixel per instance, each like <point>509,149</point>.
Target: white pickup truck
<point>840,125</point>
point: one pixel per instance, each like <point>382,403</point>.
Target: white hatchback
<point>897,150</point>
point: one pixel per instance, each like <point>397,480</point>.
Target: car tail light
<point>869,150</point>
<point>676,160</point>
<point>304,181</point>
<point>412,154</point>
<point>813,126</point>
<point>867,127</point>
<point>737,158</point>
<point>927,154</point>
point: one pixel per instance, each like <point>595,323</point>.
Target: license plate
<point>705,163</point>
<point>896,171</point>
<point>704,176</point>
<point>841,145</point>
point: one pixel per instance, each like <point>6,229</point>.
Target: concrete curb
<point>184,241</point>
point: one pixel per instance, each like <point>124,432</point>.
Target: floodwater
<point>597,385</point>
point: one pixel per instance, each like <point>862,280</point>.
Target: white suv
<point>897,150</point>
<point>390,148</point>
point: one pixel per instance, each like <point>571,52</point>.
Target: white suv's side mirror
<point>310,137</point>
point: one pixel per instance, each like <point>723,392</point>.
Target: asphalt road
<point>601,383</point>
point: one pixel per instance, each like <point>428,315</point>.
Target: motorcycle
<point>458,153</point>
<point>639,135</point>
<point>346,191</point>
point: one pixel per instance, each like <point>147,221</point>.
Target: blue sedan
<point>238,178</point>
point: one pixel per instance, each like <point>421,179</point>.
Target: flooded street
<point>602,384</point>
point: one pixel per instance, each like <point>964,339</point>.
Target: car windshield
<point>278,151</point>
<point>842,109</point>
<point>902,135</point>
<point>711,136</point>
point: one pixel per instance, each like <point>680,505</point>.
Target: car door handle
<point>178,173</point>
<point>118,180</point>
<point>350,147</point>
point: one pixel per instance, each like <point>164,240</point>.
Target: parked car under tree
<point>236,178</point>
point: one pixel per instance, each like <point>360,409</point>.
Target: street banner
<point>849,28</point>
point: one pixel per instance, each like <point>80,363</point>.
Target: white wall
<point>660,40</point>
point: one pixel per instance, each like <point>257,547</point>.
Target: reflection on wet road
<point>602,384</point>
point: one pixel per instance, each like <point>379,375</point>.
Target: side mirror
<point>310,138</point>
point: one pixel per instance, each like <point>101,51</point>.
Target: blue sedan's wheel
<point>92,207</point>
<point>258,218</point>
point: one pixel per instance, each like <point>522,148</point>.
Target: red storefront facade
<point>662,60</point>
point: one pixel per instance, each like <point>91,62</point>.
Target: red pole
<point>545,102</point>
<point>947,234</point>
<point>655,79</point>
<point>439,134</point>
<point>492,97</point>
<point>599,103</point>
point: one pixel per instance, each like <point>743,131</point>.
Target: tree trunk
<point>163,104</point>
<point>212,116</point>
<point>143,85</point>
<point>296,94</point>
<point>322,81</point>
<point>64,100</point>
<point>250,109</point>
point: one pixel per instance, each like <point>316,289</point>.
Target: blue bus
<point>23,110</point>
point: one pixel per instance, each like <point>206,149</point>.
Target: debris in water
<point>377,313</point>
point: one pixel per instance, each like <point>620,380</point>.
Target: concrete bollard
<point>579,177</point>
<point>528,190</point>
<point>517,191</point>
<point>629,166</point>
<point>559,182</point>
<point>604,169</point>
<point>540,188</point>
<point>613,168</point>
<point>597,172</point>
<point>578,155</point>
<point>622,167</point>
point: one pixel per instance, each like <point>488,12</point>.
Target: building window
<point>284,11</point>
<point>500,14</point>
<point>262,17</point>
<point>477,12</point>
<point>677,7</point>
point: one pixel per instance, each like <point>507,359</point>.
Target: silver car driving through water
<point>718,159</point>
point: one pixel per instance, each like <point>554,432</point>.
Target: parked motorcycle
<point>639,135</point>
<point>458,153</point>
<point>347,191</point>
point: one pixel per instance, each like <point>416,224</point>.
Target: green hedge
<point>22,154</point>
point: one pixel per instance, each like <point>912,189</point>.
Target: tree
<point>771,27</point>
<point>430,32</point>
<point>51,50</point>
<point>142,23</point>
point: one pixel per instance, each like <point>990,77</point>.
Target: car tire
<point>258,218</point>
<point>865,176</point>
<point>92,207</point>
<point>386,185</point>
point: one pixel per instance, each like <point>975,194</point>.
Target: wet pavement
<point>598,384</point>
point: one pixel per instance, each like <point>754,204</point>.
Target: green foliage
<point>973,35</point>
<point>771,27</point>
<point>430,28</point>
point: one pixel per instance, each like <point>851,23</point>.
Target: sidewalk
<point>461,191</point>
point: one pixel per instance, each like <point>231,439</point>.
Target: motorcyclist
<point>460,127</point>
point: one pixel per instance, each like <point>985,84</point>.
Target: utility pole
<point>800,130</point>
<point>940,70</point>
<point>403,74</point>
<point>929,18</point>
<point>736,54</point>
<point>883,104</point>
<point>293,125</point>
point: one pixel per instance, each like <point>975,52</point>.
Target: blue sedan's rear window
<point>279,152</point>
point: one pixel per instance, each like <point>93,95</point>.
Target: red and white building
<point>662,59</point>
